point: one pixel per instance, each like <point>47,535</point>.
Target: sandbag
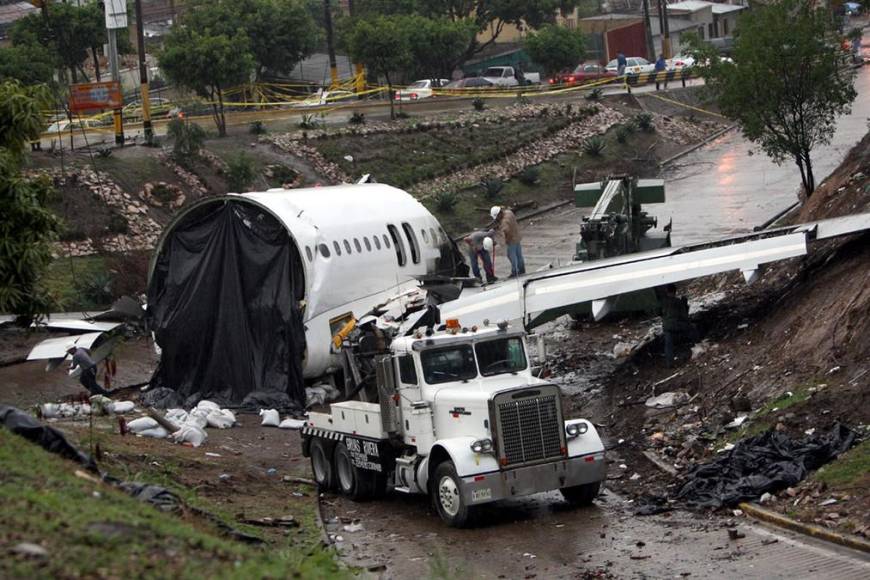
<point>270,418</point>
<point>221,419</point>
<point>197,418</point>
<point>289,423</point>
<point>157,432</point>
<point>176,416</point>
<point>191,435</point>
<point>121,407</point>
<point>208,406</point>
<point>141,424</point>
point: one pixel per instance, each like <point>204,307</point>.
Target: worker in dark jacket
<point>676,326</point>
<point>88,377</point>
<point>661,67</point>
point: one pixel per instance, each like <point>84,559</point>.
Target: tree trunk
<point>96,63</point>
<point>222,126</point>
<point>811,180</point>
<point>390,97</point>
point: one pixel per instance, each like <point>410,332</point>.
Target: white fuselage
<point>346,237</point>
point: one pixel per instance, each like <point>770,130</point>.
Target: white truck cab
<point>460,417</point>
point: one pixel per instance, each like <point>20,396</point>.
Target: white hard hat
<point>487,244</point>
<point>69,346</point>
<point>496,209</point>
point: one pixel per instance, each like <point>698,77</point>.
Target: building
<point>713,21</point>
<point>12,11</point>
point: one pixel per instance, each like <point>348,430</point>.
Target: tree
<point>29,64</point>
<point>27,228</point>
<point>789,83</point>
<point>436,44</point>
<point>280,32</point>
<point>383,45</point>
<point>555,48</point>
<point>490,17</point>
<point>207,64</point>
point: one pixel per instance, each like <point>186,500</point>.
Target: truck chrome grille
<point>530,428</point>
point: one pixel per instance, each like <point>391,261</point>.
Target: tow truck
<point>459,416</point>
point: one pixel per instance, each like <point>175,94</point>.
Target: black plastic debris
<point>49,438</point>
<point>157,496</point>
<point>766,463</point>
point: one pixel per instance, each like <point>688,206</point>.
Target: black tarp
<point>223,303</point>
<point>49,438</point>
<point>769,462</point>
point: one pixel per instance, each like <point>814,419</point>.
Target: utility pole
<point>665,28</point>
<point>143,76</point>
<point>330,42</point>
<point>358,71</point>
<point>647,26</point>
<point>116,18</point>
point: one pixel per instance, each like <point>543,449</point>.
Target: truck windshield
<point>448,364</point>
<point>494,71</point>
<point>501,356</point>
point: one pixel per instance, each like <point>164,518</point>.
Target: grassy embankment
<point>91,529</point>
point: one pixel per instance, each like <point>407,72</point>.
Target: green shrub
<point>240,173</point>
<point>402,115</point>
<point>644,121</point>
<point>118,224</point>
<point>162,192</point>
<point>492,187</point>
<point>478,104</point>
<point>624,131</point>
<point>357,118</point>
<point>308,121</point>
<point>187,138</point>
<point>594,146</point>
<point>530,175</point>
<point>446,201</point>
<point>94,291</point>
<point>595,94</point>
<point>257,128</point>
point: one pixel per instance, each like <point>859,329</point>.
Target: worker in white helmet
<point>88,377</point>
<point>480,246</point>
<point>507,226</point>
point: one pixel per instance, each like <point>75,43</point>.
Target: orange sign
<point>90,96</point>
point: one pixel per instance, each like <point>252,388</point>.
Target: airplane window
<point>357,245</point>
<point>434,236</point>
<point>337,248</point>
<point>347,246</point>
<point>308,253</point>
<point>386,242</point>
<point>324,250</point>
<point>412,241</point>
<point>398,244</point>
<point>377,242</point>
<point>425,235</point>
<point>367,243</point>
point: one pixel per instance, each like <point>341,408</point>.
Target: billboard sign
<point>93,96</point>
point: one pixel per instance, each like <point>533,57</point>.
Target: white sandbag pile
<point>63,410</point>
<point>190,425</point>
<point>147,427</point>
<point>290,423</point>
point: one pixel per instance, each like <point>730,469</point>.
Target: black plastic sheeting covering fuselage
<point>223,301</point>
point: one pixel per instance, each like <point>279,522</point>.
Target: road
<point>724,188</point>
<point>540,536</point>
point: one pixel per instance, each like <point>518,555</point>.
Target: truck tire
<point>321,464</point>
<point>581,495</point>
<point>357,484</point>
<point>446,493</point>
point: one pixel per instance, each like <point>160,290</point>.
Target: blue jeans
<point>515,255</point>
<point>487,263</point>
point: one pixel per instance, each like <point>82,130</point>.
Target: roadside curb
<point>696,146</point>
<point>782,521</point>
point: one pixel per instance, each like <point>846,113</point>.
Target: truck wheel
<point>355,483</point>
<point>581,495</point>
<point>321,464</point>
<point>446,492</point>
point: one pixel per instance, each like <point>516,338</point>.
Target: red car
<point>584,73</point>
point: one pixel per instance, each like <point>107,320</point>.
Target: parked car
<point>470,83</point>
<point>419,89</point>
<point>76,125</point>
<point>583,73</point>
<point>506,76</point>
<point>321,98</point>
<point>160,107</point>
<point>634,65</point>
<point>680,61</point>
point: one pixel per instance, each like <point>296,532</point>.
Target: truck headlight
<point>576,429</point>
<point>482,446</point>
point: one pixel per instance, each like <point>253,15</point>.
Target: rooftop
<point>695,5</point>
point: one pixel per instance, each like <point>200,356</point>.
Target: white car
<point>680,61</point>
<point>634,65</point>
<point>419,89</point>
